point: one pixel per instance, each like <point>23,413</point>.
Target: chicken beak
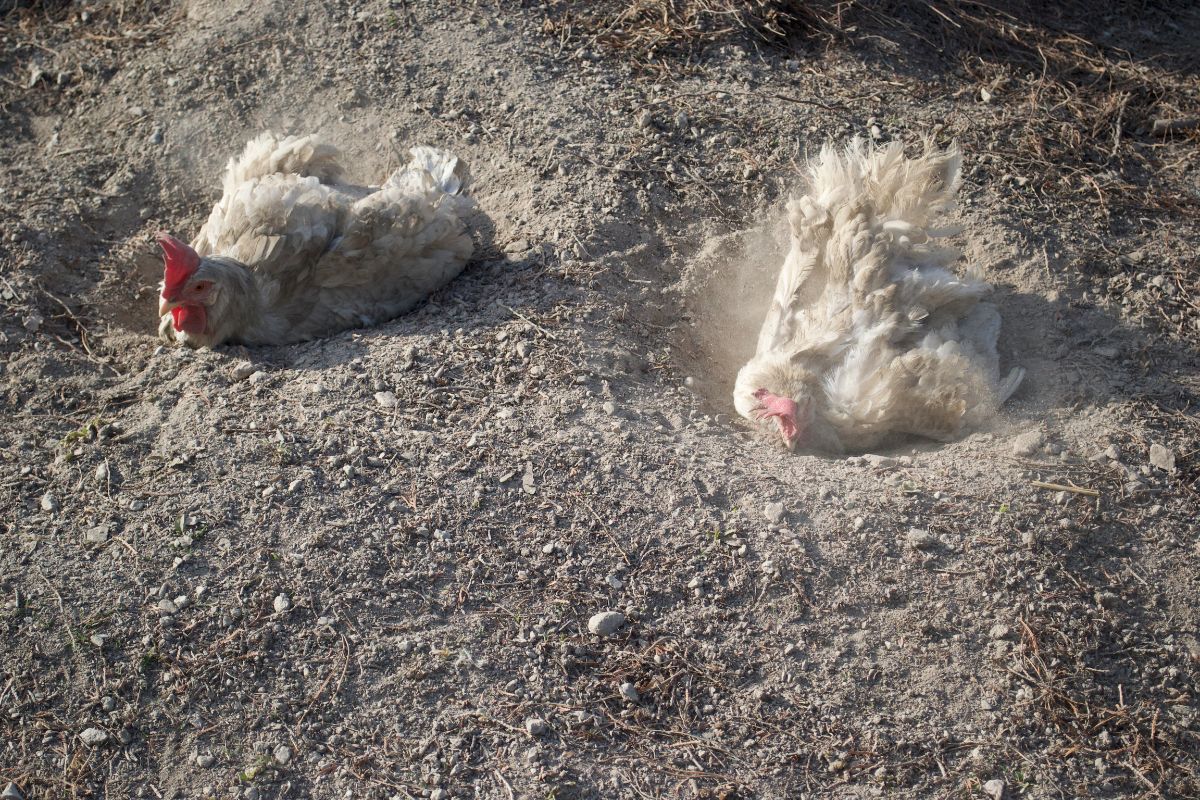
<point>164,305</point>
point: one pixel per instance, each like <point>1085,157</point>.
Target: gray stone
<point>774,512</point>
<point>259,377</point>
<point>93,737</point>
<point>282,603</point>
<point>205,760</point>
<point>629,692</point>
<point>167,606</point>
<point>880,462</point>
<point>241,370</point>
<point>283,754</point>
<point>12,792</point>
<point>920,539</point>
<point>994,789</point>
<point>606,623</point>
<point>386,399</point>
<point>96,535</point>
<point>1028,443</point>
<point>1162,457</point>
<point>49,503</point>
<point>535,726</point>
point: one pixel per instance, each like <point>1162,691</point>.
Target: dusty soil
<point>222,579</point>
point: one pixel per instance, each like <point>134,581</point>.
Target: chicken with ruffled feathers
<point>291,253</point>
<point>870,335</point>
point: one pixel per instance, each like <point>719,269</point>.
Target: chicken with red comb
<point>870,335</point>
<point>290,252</point>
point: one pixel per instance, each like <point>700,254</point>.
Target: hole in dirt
<point>124,301</point>
<point>725,286</point>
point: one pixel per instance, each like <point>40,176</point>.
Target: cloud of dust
<point>726,290</point>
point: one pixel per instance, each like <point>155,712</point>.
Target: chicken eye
<point>199,287</point>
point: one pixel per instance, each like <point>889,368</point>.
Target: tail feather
<point>446,169</point>
<point>268,154</point>
<point>1010,385</point>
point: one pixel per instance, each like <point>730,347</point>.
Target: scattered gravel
<point>376,550</point>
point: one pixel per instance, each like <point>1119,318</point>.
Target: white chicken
<point>869,334</point>
<point>290,253</point>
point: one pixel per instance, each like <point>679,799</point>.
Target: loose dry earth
<point>252,573</point>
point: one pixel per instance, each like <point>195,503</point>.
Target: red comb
<point>179,262</point>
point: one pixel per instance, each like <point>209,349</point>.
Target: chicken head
<point>792,418</point>
<point>185,293</point>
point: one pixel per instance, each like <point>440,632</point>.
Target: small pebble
<point>282,603</point>
<point>259,377</point>
<point>920,539</point>
<point>49,502</point>
<point>994,789</point>
<point>606,623</point>
<point>283,754</point>
<point>386,399</point>
<point>241,370</point>
<point>1162,457</point>
<point>93,737</point>
<point>774,512</point>
<point>439,794</point>
<point>1028,443</point>
<point>12,792</point>
<point>535,726</point>
<point>880,462</point>
<point>628,691</point>
<point>205,760</point>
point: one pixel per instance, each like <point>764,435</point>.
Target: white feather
<point>869,323</point>
<point>297,254</point>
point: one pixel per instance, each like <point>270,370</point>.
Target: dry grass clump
<point>1087,90</point>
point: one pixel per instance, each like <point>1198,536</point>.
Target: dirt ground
<point>237,574</point>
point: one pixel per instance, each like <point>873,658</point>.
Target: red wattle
<point>189,319</point>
